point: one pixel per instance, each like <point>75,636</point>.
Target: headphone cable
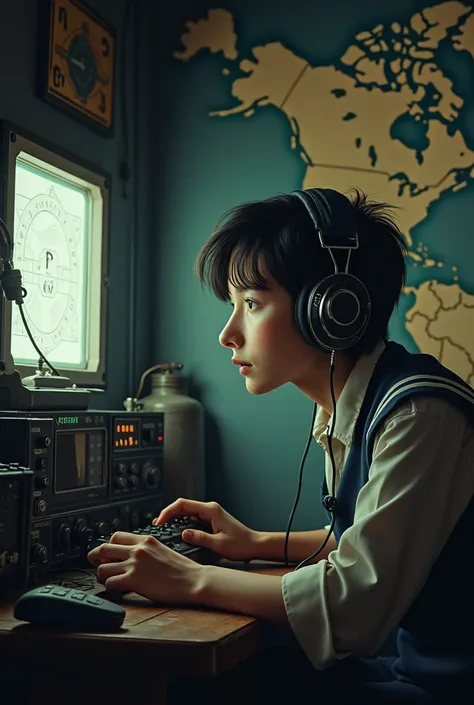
<point>330,500</point>
<point>300,483</point>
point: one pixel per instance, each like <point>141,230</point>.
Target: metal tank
<point>184,472</point>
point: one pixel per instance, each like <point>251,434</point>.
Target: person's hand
<point>230,538</point>
<point>141,564</point>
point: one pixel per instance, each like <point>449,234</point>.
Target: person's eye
<point>251,304</point>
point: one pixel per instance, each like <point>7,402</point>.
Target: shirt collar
<point>350,401</point>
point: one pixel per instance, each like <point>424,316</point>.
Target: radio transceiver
<point>92,473</point>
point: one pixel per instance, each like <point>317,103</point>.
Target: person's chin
<point>257,387</point>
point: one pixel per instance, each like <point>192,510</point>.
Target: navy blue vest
<point>436,635</point>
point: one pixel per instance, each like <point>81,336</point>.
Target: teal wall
<point>19,105</point>
<point>205,165</point>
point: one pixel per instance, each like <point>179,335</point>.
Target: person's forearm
<point>240,591</point>
<point>270,546</point>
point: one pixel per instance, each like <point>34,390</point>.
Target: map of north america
<point>349,124</point>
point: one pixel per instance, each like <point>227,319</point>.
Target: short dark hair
<point>278,233</point>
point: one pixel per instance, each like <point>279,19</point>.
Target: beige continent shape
<point>331,127</point>
<point>215,32</point>
<point>440,322</point>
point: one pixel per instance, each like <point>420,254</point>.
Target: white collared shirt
<point>420,481</point>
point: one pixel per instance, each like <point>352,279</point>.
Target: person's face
<point>262,333</point>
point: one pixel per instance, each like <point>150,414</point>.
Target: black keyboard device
<point>68,608</point>
<point>170,534</point>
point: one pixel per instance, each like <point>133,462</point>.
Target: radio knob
<point>63,537</point>
<point>151,475</point>
<point>115,525</point>
<point>121,483</point>
<point>134,520</point>
<point>133,481</point>
<point>135,469</point>
<point>120,469</point>
<point>80,535</point>
<point>39,554</point>
<point>102,528</point>
<point>41,482</point>
<point>43,442</point>
<point>40,507</point>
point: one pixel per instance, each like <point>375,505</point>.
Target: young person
<point>313,278</point>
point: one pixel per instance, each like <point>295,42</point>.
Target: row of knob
<point>78,536</point>
<point>128,477</point>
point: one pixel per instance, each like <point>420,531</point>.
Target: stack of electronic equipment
<point>69,479</point>
<point>71,476</point>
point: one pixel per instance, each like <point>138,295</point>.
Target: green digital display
<point>67,420</point>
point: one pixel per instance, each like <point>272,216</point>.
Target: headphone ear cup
<point>338,312</point>
<point>333,314</point>
<point>301,315</point>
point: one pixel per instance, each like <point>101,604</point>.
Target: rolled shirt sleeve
<point>420,482</point>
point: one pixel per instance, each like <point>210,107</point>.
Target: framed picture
<point>76,67</point>
<point>57,210</point>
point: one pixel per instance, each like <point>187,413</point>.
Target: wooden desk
<point>132,665</point>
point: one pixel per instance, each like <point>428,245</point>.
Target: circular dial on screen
<point>46,253</point>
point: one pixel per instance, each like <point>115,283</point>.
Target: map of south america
<point>383,119</point>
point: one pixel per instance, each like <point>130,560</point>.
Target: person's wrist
<point>200,584</point>
<point>257,544</point>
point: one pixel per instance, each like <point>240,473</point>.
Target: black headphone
<point>332,313</point>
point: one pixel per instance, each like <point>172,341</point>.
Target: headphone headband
<point>334,312</point>
<point>332,215</point>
